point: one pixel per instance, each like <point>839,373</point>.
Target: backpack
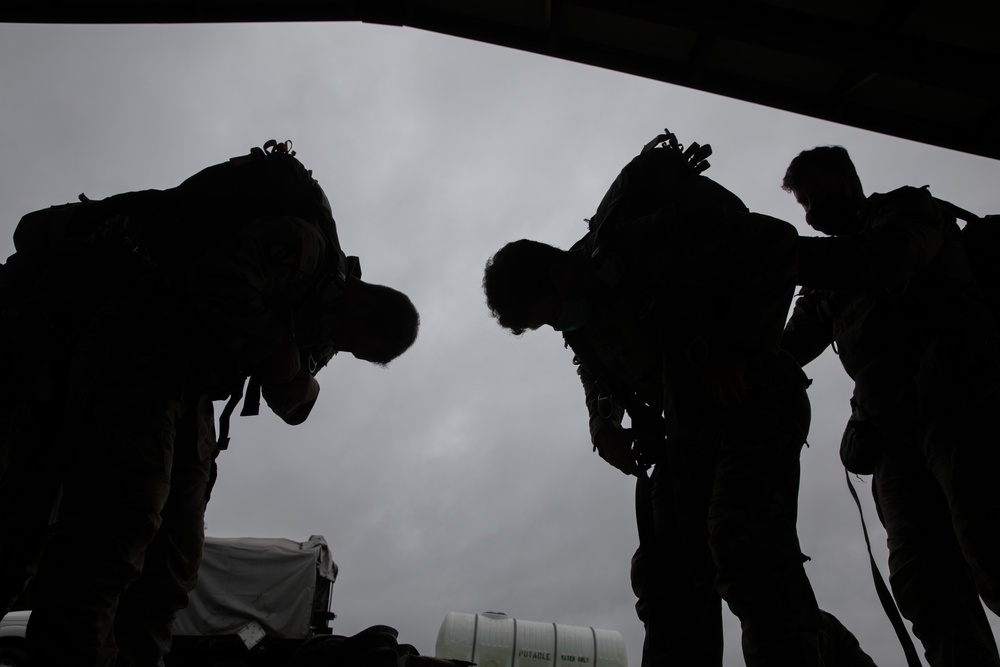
<point>664,172</point>
<point>171,229</point>
<point>981,239</point>
<point>167,231</point>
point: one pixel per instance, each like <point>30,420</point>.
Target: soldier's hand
<point>615,446</point>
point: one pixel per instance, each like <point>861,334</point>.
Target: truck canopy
<point>280,584</point>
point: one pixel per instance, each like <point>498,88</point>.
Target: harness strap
<point>251,403</point>
<point>227,412</point>
<point>884,596</point>
<point>251,407</point>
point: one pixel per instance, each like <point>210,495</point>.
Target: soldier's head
<point>529,284</point>
<point>825,183</point>
<point>373,322</point>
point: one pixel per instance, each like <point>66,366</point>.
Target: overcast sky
<point>461,478</point>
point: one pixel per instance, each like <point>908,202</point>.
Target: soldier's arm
<point>761,276</point>
<point>809,330</point>
<point>726,277</point>
<point>907,232</point>
<point>612,442</point>
<point>601,409</point>
<point>725,282</point>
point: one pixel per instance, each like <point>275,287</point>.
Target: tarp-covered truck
<point>256,601</point>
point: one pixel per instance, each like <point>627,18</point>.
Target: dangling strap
<point>251,407</point>
<point>884,596</point>
<point>251,403</point>
<point>227,412</point>
<point>644,515</point>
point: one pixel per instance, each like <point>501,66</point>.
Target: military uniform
<point>898,302</point>
<point>144,370</point>
<point>682,290</point>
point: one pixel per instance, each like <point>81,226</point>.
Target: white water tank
<point>497,640</point>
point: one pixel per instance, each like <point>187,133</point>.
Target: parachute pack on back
<point>172,228</point>
<point>981,238</point>
<point>663,173</point>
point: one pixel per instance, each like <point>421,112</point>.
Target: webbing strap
<point>251,407</point>
<point>227,413</point>
<point>644,515</point>
<point>251,401</point>
<point>884,596</point>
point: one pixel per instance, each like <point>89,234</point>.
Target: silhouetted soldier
<point>272,299</point>
<point>892,288</point>
<point>681,311</point>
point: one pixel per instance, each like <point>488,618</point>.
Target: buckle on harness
<point>605,406</point>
